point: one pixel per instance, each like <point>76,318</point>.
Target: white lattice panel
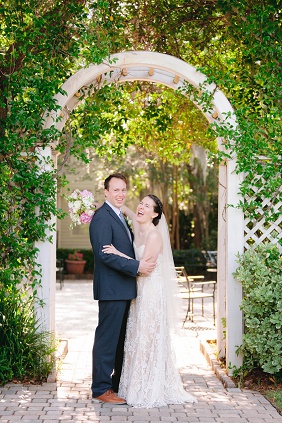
<point>258,230</point>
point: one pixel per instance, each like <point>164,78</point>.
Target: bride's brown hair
<point>158,208</point>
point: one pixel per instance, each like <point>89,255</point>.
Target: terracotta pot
<point>75,267</point>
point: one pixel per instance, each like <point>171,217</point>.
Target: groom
<point>114,287</point>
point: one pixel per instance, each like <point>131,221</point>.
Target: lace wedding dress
<point>149,375</point>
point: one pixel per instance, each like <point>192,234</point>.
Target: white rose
<point>87,201</point>
<point>89,212</point>
<point>74,195</point>
<point>76,206</point>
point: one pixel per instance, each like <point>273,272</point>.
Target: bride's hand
<point>109,249</point>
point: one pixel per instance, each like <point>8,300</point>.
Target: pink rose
<point>86,193</point>
<point>85,218</point>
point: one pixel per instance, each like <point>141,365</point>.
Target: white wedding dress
<point>150,377</point>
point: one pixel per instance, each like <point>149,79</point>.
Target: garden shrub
<point>26,352</point>
<point>260,272</point>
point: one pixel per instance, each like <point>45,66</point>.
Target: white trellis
<point>258,230</point>
<point>173,73</point>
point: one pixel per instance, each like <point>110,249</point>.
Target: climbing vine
<point>41,45</point>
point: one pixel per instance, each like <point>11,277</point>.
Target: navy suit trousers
<point>108,344</point>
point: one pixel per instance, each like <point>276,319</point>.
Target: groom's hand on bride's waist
<point>146,267</point>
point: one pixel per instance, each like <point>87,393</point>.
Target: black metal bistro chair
<point>193,288</point>
<point>60,272</point>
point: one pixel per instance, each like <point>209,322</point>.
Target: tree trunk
<point>197,171</point>
<point>175,239</point>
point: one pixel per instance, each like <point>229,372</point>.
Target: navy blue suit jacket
<point>114,276</point>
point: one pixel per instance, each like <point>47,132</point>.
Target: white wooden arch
<point>171,72</point>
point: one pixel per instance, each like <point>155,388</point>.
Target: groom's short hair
<point>113,175</point>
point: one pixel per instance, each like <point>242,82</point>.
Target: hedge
<point>193,260</point>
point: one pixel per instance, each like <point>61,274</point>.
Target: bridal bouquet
<point>81,206</point>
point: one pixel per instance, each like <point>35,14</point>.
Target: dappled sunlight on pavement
<point>69,398</point>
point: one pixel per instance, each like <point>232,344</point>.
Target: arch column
<point>234,236</point>
<point>230,243</point>
<point>221,262</point>
<point>46,260</point>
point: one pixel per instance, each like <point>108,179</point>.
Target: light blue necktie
<point>121,216</point>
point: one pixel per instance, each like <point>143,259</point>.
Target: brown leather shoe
<point>110,397</point>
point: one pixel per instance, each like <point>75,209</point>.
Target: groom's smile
<point>116,194</point>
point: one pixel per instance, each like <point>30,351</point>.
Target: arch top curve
<point>134,66</point>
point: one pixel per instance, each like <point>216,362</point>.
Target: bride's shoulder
<point>154,236</point>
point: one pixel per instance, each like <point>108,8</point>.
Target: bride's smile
<point>145,210</point>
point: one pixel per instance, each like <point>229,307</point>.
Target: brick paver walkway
<point>69,399</point>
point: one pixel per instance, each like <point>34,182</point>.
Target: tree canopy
<point>237,46</point>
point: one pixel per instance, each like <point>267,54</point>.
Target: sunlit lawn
<point>275,397</point>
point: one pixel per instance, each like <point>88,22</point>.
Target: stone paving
<point>69,398</point>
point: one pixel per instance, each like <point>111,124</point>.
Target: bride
<point>149,376</point>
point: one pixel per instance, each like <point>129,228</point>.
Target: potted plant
<point>75,263</point>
